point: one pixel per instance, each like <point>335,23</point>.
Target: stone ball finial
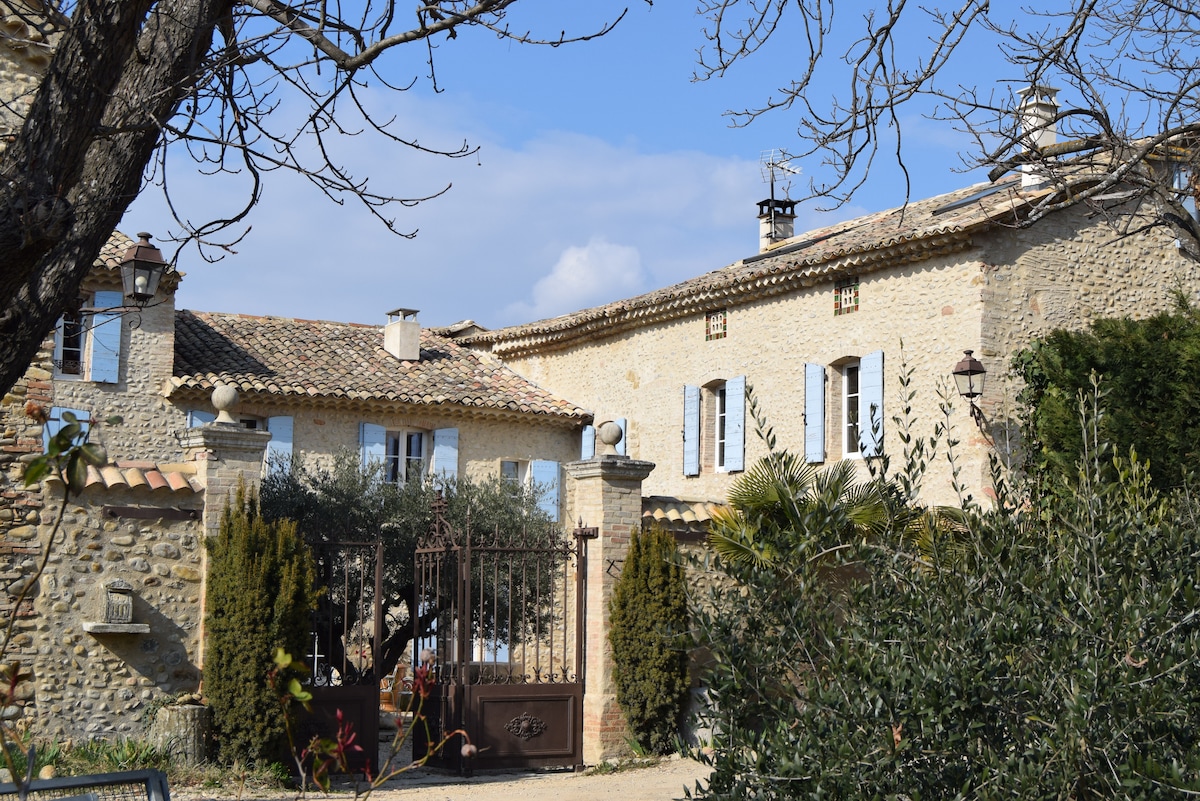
<point>610,434</point>
<point>224,398</point>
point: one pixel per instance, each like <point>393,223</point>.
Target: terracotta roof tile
<point>317,359</point>
<point>176,478</point>
<point>687,519</point>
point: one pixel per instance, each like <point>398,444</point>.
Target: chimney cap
<point>403,314</point>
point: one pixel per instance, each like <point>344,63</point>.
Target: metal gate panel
<point>538,724</point>
<point>501,626</point>
<point>346,637</point>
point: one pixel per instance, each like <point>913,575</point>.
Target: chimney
<point>1035,120</point>
<point>402,335</point>
<point>776,222</point>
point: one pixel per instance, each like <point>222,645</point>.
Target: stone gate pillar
<point>224,453</point>
<point>605,492</point>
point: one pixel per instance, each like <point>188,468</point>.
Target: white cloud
<point>583,276</point>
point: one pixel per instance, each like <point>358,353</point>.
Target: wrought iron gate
<point>346,635</point>
<point>505,645</point>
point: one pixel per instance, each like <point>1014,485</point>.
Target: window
<point>715,325</point>
<point>56,423</point>
<point>403,453</point>
<point>1185,189</point>
<point>850,409</point>
<point>405,460</point>
<point>845,298</point>
<point>719,402</point>
<point>87,343</point>
<point>512,471</point>
<point>857,393</point>
<point>719,410</point>
<point>69,339</point>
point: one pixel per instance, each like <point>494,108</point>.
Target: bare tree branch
<point>131,84</point>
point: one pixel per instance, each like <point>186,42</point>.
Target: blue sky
<point>603,171</point>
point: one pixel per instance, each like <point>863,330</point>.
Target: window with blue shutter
<point>814,413</point>
<point>735,425</point>
<point>279,449</point>
<point>445,453</point>
<point>691,430</point>
<point>587,444</point>
<point>871,403</point>
<point>623,424</point>
<point>105,364</point>
<point>372,443</point>
<point>544,476</point>
<point>56,423</point>
<point>197,417</point>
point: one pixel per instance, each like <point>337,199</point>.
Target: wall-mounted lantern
<point>969,377</point>
<point>142,267</point>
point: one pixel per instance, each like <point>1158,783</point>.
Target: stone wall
<point>21,510</point>
<point>96,684</point>
<point>150,421</point>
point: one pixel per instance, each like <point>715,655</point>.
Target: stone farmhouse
<point>416,401</point>
<point>822,324</point>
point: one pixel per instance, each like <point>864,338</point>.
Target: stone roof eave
<point>182,394</point>
<point>802,273</point>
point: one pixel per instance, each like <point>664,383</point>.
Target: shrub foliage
<point>1059,659</point>
<point>260,595</point>
<point>1147,368</point>
<point>648,621</point>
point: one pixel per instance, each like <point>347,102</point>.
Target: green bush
<point>260,595</point>
<point>1059,661</point>
<point>649,619</point>
<point>1148,372</point>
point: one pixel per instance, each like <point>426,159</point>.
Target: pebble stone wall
<point>90,685</point>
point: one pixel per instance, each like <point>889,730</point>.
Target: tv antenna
<point>777,165</point>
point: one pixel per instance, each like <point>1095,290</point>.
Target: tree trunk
<point>116,77</point>
<point>183,731</point>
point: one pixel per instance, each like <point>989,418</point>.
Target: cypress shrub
<point>649,618</point>
<point>261,590</point>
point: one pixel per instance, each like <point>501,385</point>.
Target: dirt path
<point>664,781</point>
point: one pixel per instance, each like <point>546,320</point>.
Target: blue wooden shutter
<point>735,424</point>
<point>445,453</point>
<point>587,444</point>
<point>622,449</point>
<point>279,449</point>
<point>56,423</point>
<point>105,365</point>
<point>544,475</point>
<point>870,393</point>
<point>691,430</point>
<point>814,413</point>
<point>372,442</point>
<point>196,417</point>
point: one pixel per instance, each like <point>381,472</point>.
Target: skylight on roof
<point>973,197</point>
